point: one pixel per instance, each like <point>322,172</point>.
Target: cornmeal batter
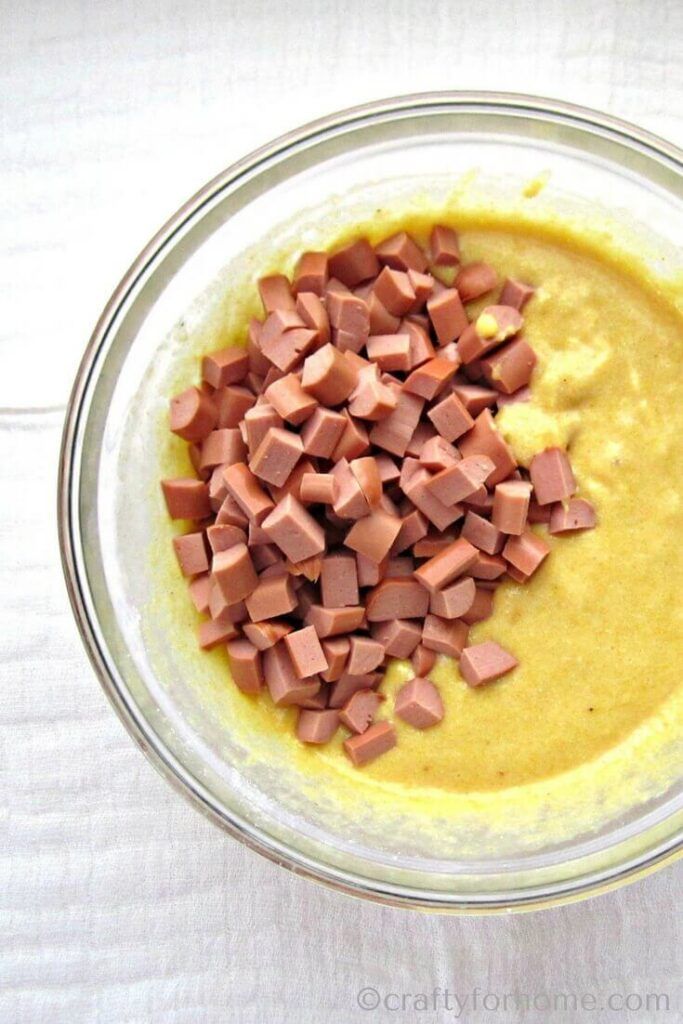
<point>598,630</point>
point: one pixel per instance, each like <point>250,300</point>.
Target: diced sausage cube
<point>317,726</point>
<point>192,415</point>
<point>321,433</point>
<point>245,666</point>
<point>552,476</point>
<point>438,454</point>
<point>354,263</point>
<point>339,581</point>
<point>419,703</point>
<point>447,636</point>
<point>289,399</point>
<point>525,553</point>
<point>414,526</point>
<point>422,660</point>
<point>286,346</point>
<point>483,534</point>
<point>190,550</point>
<point>443,568</point>
<point>389,351</point>
<point>318,488</point>
<point>336,651</point>
<point>429,379</point>
<point>266,634</point>
<point>421,348</point>
<point>294,530</point>
<point>483,663</point>
<point>484,439</point>
<point>222,447</point>
<point>395,431</point>
<point>398,598</point>
<point>515,293</point>
<point>394,291</point>
<point>374,535</point>
<point>510,367</point>
<point>243,486</point>
<point>276,456</point>
<point>186,498</point>
<point>328,376</point>
<point>369,573</point>
<point>444,246</point>
<point>460,481</point>
<point>451,418</point>
<point>350,502</point>
<point>305,651</point>
<point>376,740</point>
<point>257,422</point>
<point>487,567</point>
<point>371,399</point>
<point>570,516</point>
<point>447,315</point>
<point>399,637</point>
<point>231,404</point>
<point>228,366</point>
<point>272,597</point>
<point>234,573</point>
<point>475,398</point>
<point>199,590</point>
<point>481,607</point>
<point>314,315</point>
<point>365,655</point>
<point>212,633</point>
<point>401,252</point>
<point>474,280</point>
<point>284,685</point>
<point>275,293</point>
<point>354,440</point>
<point>366,472</point>
<point>334,621</point>
<point>511,506</point>
<point>311,273</point>
<point>360,709</point>
<point>455,601</point>
<point>417,490</point>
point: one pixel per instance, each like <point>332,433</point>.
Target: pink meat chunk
<point>511,506</point>
<point>419,704</point>
<point>284,685</point>
<point>552,476</point>
<point>399,637</point>
<point>570,516</point>
<point>191,553</point>
<point>376,740</point>
<point>317,726</point>
<point>294,530</point>
<point>485,663</point>
<point>360,710</point>
<point>306,652</point>
<point>245,666</point>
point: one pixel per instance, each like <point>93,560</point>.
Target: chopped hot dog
<point>354,500</point>
<point>419,704</point>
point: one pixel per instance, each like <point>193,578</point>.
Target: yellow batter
<point>598,631</point>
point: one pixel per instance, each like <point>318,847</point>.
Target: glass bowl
<point>108,480</point>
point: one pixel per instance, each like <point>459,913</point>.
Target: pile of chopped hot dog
<point>353,499</point>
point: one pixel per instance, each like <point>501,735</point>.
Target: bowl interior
<point>179,298</point>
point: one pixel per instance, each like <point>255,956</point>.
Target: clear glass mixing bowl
<point>592,159</point>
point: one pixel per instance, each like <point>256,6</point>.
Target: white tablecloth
<point>118,903</point>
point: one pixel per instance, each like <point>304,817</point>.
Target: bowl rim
<point>546,895</point>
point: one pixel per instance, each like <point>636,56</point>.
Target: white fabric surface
<point>118,902</point>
